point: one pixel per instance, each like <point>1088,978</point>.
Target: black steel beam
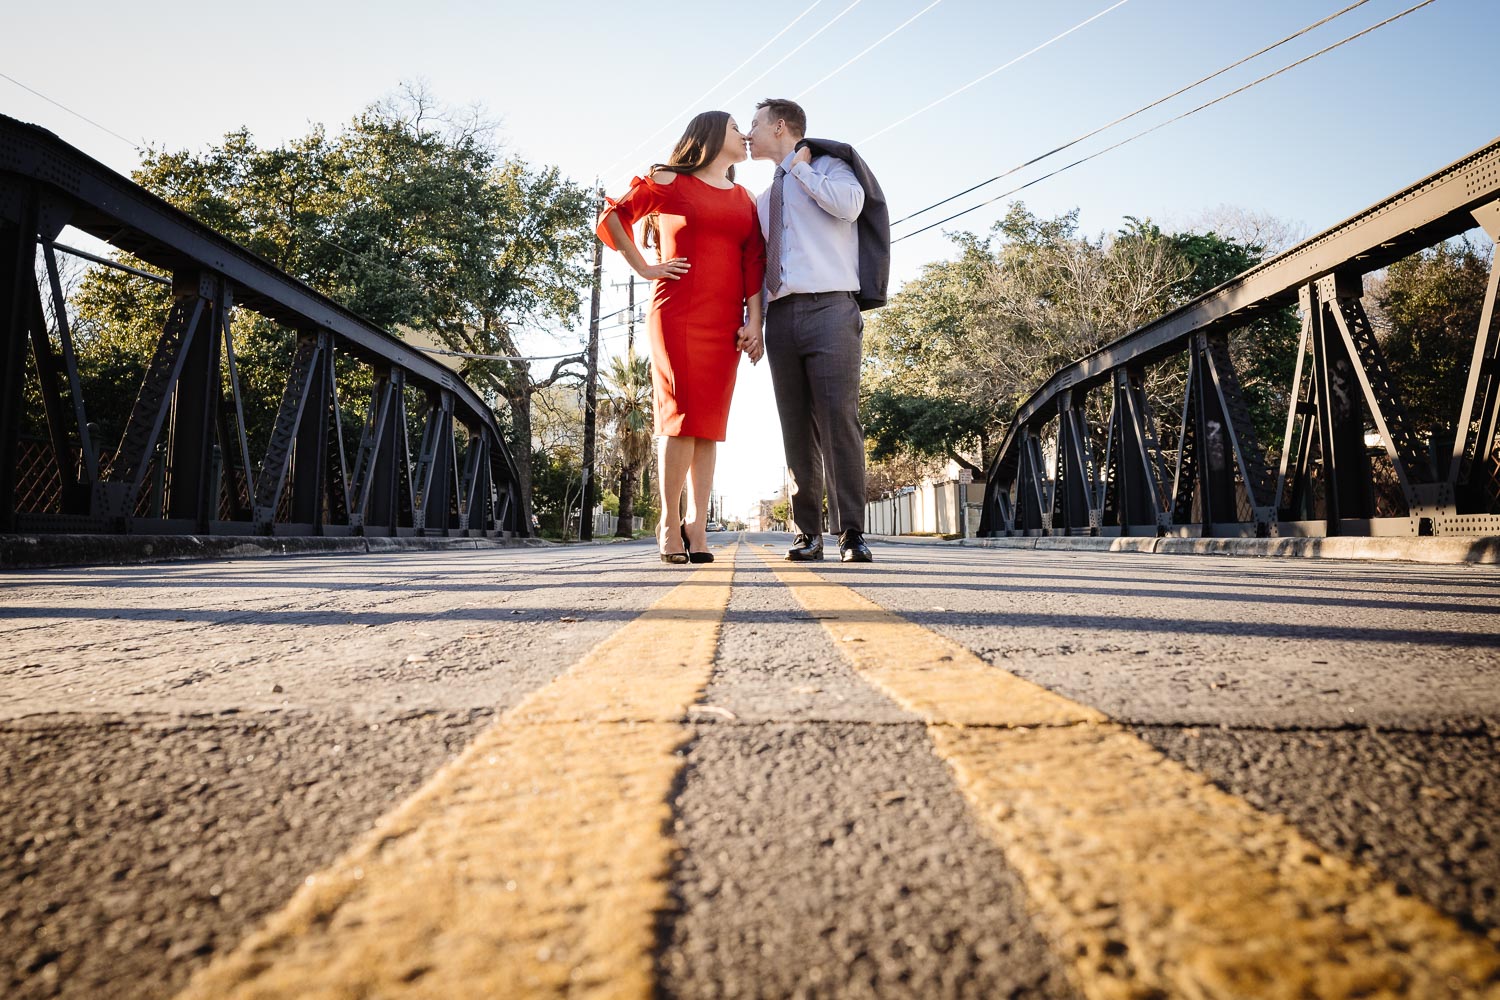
<point>1347,491</point>
<point>192,492</point>
<point>17,284</point>
<point>112,208</point>
<point>1137,482</point>
<point>46,184</point>
<point>1436,208</point>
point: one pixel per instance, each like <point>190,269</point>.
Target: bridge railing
<point>1060,472</point>
<point>185,462</point>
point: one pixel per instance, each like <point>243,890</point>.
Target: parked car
<point>713,526</point>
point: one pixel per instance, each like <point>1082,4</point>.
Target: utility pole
<point>629,316</point>
<point>624,529</point>
<point>591,398</point>
<point>630,320</point>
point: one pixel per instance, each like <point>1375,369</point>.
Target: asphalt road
<point>185,747</point>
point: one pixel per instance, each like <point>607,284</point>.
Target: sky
<point>603,89</point>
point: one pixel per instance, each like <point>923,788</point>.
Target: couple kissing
<point>784,276</point>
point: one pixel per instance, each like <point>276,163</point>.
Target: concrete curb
<point>40,551</point>
<point>1477,550</point>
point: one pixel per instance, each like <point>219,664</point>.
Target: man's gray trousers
<point>813,346</point>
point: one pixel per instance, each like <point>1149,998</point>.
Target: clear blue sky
<point>581,84</point>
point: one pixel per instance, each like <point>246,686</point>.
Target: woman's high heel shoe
<point>695,557</point>
<point>673,558</point>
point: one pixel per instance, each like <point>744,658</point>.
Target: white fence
<point>605,524</point>
<point>941,508</point>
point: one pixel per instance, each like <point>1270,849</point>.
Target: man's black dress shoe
<point>852,547</point>
<point>805,549</point>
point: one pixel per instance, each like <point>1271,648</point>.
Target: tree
<point>925,426</point>
<point>889,475</point>
<point>918,359</point>
<point>961,347</point>
<point>1265,349</point>
<point>557,441</point>
<point>1428,312</point>
<point>558,486</point>
<point>1248,227</point>
<point>626,411</point>
<point>409,216</point>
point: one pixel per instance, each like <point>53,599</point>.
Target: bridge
<point>183,464</point>
<point>1118,478</point>
<point>455,765</point>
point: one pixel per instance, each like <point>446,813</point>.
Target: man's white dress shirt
<point>819,243</point>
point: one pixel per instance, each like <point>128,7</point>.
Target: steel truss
<point>1054,474</point>
<point>184,462</point>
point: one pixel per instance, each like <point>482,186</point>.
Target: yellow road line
<point>1150,880</point>
<point>535,863</point>
<point>925,673</point>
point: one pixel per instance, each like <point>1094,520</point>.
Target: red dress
<point>695,319</point>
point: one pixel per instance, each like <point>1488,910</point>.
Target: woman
<point>705,309</point>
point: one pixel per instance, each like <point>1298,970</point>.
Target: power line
<point>986,76</point>
<point>495,357</point>
<point>707,93</point>
<point>804,43</point>
<point>1137,111</point>
<point>133,144</point>
<point>378,264</point>
<point>518,357</point>
<point>867,49</point>
<point>1185,114</point>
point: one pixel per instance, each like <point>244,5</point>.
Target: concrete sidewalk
<point>1479,550</point>
<point>42,551</point>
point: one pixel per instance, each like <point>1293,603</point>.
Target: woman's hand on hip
<point>672,269</point>
<point>749,340</point>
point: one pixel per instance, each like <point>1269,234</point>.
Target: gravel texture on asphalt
<point>182,745</point>
<point>831,856</point>
<point>135,850</point>
<point>1171,640</point>
<point>372,634</point>
<point>1420,809</point>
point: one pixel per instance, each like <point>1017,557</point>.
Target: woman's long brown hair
<point>701,143</point>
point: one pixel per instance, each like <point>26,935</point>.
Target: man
<point>827,256</point>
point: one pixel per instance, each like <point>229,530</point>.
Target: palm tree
<point>626,408</point>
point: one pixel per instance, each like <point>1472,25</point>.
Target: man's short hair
<point>788,111</point>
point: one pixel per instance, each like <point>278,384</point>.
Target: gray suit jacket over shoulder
<point>873,225</point>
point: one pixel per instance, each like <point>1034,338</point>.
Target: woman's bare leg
<point>700,485</point>
<point>674,456</point>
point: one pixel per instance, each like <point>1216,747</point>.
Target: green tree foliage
<point>1431,304</point>
<point>557,438</point>
<point>625,410</point>
<point>1264,350</point>
<point>961,347</point>
<point>557,488</point>
<point>405,216</point>
<point>927,425</point>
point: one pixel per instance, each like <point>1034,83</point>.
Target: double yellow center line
<point>537,863</point>
<point>534,864</point>
<point>1149,879</point>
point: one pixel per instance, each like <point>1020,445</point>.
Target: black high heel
<point>695,557</point>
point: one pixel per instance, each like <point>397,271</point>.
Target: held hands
<point>749,340</point>
<point>673,269</point>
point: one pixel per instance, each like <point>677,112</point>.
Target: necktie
<point>773,237</point>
